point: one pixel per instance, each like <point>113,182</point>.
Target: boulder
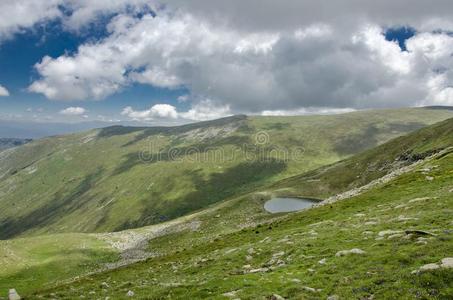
<point>13,295</point>
<point>130,294</point>
<point>388,232</point>
<point>348,252</point>
<point>447,263</point>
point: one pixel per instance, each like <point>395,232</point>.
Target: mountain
<point>6,143</point>
<point>35,130</point>
<point>118,177</point>
<point>384,233</point>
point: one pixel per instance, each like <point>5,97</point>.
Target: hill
<point>6,143</point>
<point>390,241</point>
<point>125,177</point>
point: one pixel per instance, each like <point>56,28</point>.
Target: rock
<point>230,294</point>
<point>347,252</point>
<point>276,297</point>
<point>296,280</point>
<point>419,199</point>
<point>248,258</point>
<point>312,290</point>
<point>447,263</point>
<point>371,223</point>
<point>395,236</point>
<point>388,232</point>
<point>265,240</point>
<point>311,270</point>
<point>360,215</point>
<point>419,232</point>
<point>333,297</point>
<point>13,295</point>
<point>230,251</point>
<point>259,270</point>
<point>428,267</point>
<point>404,218</point>
<point>421,241</point>
<point>400,206</point>
<point>322,261</point>
<point>278,254</point>
<point>105,285</point>
<point>130,294</point>
<point>429,178</point>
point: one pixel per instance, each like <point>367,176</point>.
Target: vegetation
<point>124,177</point>
<point>239,251</point>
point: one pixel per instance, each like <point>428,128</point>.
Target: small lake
<point>279,205</point>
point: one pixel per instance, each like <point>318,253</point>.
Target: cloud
<point>19,15</point>
<point>156,111</point>
<point>204,110</point>
<point>3,91</point>
<point>73,111</point>
<point>183,98</point>
<point>271,59</point>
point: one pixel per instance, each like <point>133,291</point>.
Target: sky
<point>175,61</point>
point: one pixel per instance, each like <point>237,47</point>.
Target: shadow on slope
<point>220,186</point>
<point>61,205</point>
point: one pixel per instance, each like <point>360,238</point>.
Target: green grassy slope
<point>400,226</point>
<point>31,263</point>
<point>368,165</point>
<point>119,177</point>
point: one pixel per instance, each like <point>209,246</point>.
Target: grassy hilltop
<point>117,178</point>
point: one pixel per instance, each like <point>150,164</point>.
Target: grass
<point>212,261</point>
<point>32,263</point>
<point>121,177</point>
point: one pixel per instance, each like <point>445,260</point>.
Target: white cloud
<point>267,60</point>
<point>183,98</point>
<point>206,110</point>
<point>3,91</point>
<point>165,111</point>
<point>19,15</point>
<point>73,111</point>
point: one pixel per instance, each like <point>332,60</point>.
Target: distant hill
<point>35,130</point>
<point>120,177</point>
<point>6,143</point>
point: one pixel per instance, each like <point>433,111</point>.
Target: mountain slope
<point>124,177</point>
<point>396,227</point>
<point>6,143</point>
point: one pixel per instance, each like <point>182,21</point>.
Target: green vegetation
<point>31,263</point>
<point>239,251</point>
<point>123,177</point>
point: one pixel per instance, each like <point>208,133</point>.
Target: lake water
<point>278,205</point>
